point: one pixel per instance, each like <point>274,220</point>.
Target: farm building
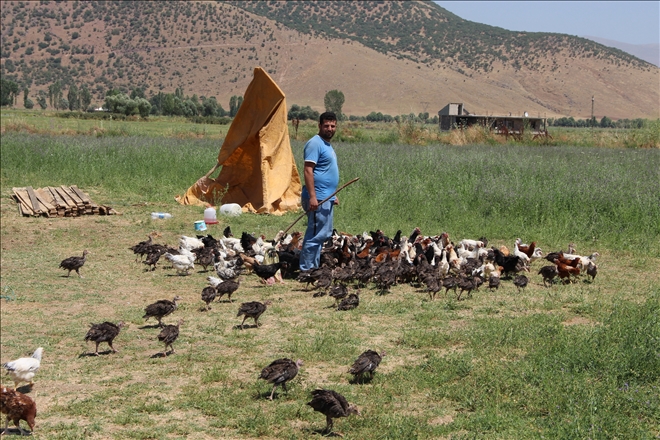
<point>454,115</point>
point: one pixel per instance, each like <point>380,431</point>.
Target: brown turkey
<point>17,406</point>
<point>253,309</point>
<point>104,332</point>
<point>74,263</point>
<point>168,335</point>
<point>160,309</point>
<point>228,288</point>
<point>279,372</point>
<point>333,405</point>
<point>366,363</point>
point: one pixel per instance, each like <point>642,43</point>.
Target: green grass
<point>570,361</point>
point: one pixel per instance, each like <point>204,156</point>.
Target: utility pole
<point>592,111</point>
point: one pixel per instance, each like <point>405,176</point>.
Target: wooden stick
<point>320,203</point>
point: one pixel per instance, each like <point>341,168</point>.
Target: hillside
<point>393,57</point>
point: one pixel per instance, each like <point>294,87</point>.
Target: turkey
<point>279,372</point>
<point>349,303</point>
<point>208,295</point>
<point>17,406</point>
<point>24,369</point>
<point>227,288</point>
<point>160,309</point>
<point>74,263</point>
<point>104,332</point>
<point>168,335</point>
<point>142,248</point>
<point>548,273</point>
<point>253,309</point>
<point>520,281</point>
<point>338,292</point>
<point>367,362</point>
<point>333,405</point>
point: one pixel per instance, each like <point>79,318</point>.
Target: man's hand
<point>313,204</point>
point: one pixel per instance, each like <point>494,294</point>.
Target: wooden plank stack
<point>57,201</point>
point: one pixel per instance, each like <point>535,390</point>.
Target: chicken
<point>333,405</point>
<point>350,302</point>
<point>592,270</point>
<point>518,253</point>
<point>24,369</point>
<point>160,309</point>
<point>74,263</point>
<point>526,249</point>
<point>17,406</point>
<point>520,281</point>
<point>208,295</point>
<point>183,262</point>
<point>565,271</point>
<point>190,243</point>
<point>228,287</point>
<point>253,309</point>
<point>168,335</point>
<point>267,271</point>
<point>548,273</point>
<point>103,332</point>
<point>367,362</point>
<point>279,372</point>
<point>510,263</point>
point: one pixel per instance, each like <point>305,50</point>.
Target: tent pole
<point>212,170</point>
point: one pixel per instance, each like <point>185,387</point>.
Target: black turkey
<point>252,309</point>
<point>279,372</point>
<point>74,263</point>
<point>168,335</point>
<point>208,295</point>
<point>333,405</point>
<point>103,332</point>
<point>366,363</point>
<point>349,303</point>
<point>228,288</point>
<point>160,309</point>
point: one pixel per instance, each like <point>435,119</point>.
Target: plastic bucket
<point>200,225</point>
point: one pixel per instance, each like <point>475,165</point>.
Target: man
<point>321,179</point>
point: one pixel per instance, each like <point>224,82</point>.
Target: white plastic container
<point>231,209</point>
<point>209,216</point>
<point>161,215</point>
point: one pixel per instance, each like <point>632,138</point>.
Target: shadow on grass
<point>92,354</point>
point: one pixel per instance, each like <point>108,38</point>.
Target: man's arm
<point>308,172</point>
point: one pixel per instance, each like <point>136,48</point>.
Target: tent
<point>258,168</point>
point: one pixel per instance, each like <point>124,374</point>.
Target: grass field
<point>569,361</point>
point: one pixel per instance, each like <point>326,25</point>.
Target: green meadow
<point>570,361</point>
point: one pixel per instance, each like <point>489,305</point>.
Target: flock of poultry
<point>432,263</point>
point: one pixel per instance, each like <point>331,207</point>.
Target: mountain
<point>646,52</point>
<point>392,57</point>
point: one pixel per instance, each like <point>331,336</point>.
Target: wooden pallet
<point>57,201</point>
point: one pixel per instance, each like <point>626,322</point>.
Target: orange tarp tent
<point>258,168</point>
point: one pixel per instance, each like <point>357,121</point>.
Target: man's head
<point>327,125</point>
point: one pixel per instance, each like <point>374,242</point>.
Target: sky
<point>633,22</point>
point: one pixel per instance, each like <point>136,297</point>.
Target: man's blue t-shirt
<point>326,171</point>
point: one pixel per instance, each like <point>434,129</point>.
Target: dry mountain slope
<point>393,57</point>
